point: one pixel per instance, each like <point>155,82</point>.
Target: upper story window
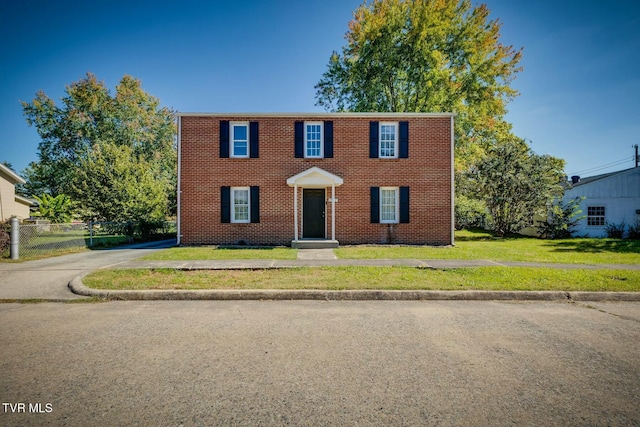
<point>388,140</point>
<point>239,140</point>
<point>313,139</point>
<point>596,215</point>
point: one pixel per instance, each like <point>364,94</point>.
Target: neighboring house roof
<point>590,179</point>
<point>620,184</point>
<point>10,175</point>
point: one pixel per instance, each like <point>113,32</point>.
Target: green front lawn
<point>481,245</point>
<point>382,278</point>
<point>214,253</point>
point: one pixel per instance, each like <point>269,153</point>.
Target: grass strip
<point>382,278</point>
<point>214,253</point>
<point>479,245</point>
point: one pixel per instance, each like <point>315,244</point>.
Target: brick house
<point>281,179</point>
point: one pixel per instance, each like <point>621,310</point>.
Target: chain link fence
<point>40,239</point>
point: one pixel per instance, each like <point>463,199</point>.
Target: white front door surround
<point>314,177</point>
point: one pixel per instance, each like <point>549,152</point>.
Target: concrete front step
<point>314,244</point>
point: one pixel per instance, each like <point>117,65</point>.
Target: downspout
<point>179,179</point>
<point>295,212</point>
<point>333,211</point>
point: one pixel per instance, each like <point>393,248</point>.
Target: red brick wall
<point>427,172</point>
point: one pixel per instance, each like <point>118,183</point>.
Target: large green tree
<point>516,184</point>
<point>426,56</point>
<point>121,185</point>
<point>89,119</point>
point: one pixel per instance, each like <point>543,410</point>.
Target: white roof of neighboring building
<point>624,183</point>
<point>13,177</point>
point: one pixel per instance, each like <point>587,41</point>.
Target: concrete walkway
<point>316,254</point>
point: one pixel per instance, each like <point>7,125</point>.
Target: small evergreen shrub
<point>634,231</point>
<point>562,218</point>
<point>615,231</point>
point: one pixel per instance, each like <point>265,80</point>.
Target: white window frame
<point>396,218</point>
<point>306,142</point>
<point>396,127</point>
<point>603,216</point>
<point>233,205</point>
<point>232,152</point>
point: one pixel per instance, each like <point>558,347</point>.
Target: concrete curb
<point>78,287</point>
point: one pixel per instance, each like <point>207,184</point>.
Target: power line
<point>606,166</point>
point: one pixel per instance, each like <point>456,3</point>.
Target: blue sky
<point>579,90</point>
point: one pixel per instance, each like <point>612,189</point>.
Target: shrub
<point>634,231</point>
<point>470,213</point>
<point>5,238</point>
<point>615,231</point>
<point>562,218</point>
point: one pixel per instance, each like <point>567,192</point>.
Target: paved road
<point>175,363</point>
<point>49,278</point>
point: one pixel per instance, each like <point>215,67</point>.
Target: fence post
<point>14,248</point>
<point>91,234</point>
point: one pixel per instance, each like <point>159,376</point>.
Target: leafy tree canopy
<point>426,56</point>
<point>89,119</point>
<point>120,184</point>
<point>516,184</point>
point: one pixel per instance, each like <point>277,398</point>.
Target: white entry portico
<point>314,178</point>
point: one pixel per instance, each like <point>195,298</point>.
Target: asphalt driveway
<point>49,278</point>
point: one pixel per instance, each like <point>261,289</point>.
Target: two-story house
<point>286,178</point>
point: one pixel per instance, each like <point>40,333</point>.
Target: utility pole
<point>637,157</point>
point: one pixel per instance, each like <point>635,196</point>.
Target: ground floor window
<point>595,215</point>
<point>240,205</point>
<point>389,205</point>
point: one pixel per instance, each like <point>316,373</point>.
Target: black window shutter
<point>254,140</point>
<point>225,205</point>
<point>299,140</point>
<point>328,139</point>
<point>224,139</point>
<point>375,205</point>
<point>404,140</point>
<point>373,140</point>
<point>404,205</point>
<point>255,204</point>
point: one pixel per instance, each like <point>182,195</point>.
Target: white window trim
<point>397,203</point>
<point>233,205</point>
<point>604,217</point>
<point>395,142</point>
<point>321,124</point>
<point>231,140</point>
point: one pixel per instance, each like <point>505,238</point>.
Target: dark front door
<point>313,213</point>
